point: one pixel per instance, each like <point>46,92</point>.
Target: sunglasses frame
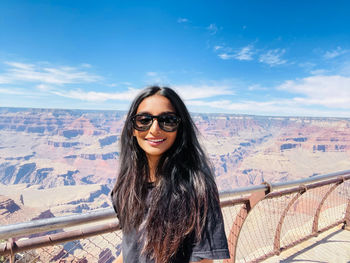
<point>133,120</point>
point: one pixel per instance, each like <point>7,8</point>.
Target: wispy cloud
<point>160,78</point>
<point>43,79</point>
<point>328,91</point>
<point>5,79</point>
<point>192,92</point>
<point>312,96</point>
<point>247,106</point>
<point>334,53</point>
<point>226,56</point>
<point>274,107</point>
<point>94,96</point>
<point>43,87</point>
<point>12,91</point>
<point>245,53</point>
<point>182,20</point>
<point>37,73</point>
<point>213,29</point>
<point>273,57</point>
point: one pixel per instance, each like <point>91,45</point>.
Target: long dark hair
<point>185,187</point>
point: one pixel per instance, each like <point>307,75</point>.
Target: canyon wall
<point>70,157</point>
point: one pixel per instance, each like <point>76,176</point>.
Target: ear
<point>133,133</point>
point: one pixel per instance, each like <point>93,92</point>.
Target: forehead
<point>155,105</point>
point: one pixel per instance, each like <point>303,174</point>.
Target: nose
<point>155,129</point>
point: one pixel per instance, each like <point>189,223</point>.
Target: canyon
<point>56,162</point>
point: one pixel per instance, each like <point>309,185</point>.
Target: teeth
<point>158,140</point>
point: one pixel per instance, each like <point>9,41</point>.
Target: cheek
<point>139,134</point>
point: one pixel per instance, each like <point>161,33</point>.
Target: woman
<point>165,196</point>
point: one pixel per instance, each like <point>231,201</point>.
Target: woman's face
<point>155,141</point>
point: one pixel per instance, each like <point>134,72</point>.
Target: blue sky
<point>244,57</point>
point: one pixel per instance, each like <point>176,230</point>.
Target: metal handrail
<point>42,225</point>
<point>280,185</point>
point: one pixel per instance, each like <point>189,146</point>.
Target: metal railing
<point>269,217</point>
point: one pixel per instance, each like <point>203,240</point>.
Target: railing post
<point>239,221</point>
<point>318,210</point>
<point>12,255</point>
<point>277,240</point>
<point>347,217</point>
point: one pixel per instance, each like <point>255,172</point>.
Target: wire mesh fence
<point>102,248</point>
<point>258,226</point>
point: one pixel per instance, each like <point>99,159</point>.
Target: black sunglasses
<point>168,122</point>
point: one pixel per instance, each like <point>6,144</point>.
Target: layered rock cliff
<point>59,149</point>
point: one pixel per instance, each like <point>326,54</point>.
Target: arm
<point>119,259</point>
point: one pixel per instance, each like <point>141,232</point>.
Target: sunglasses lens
<point>168,122</point>
<point>142,122</point>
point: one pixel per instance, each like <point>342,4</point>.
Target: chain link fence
<point>103,248</point>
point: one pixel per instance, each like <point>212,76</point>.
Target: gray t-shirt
<point>213,244</point>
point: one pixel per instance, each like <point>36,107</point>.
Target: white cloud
<point>19,65</point>
<point>246,53</point>
<point>226,56</point>
<point>95,96</point>
<point>21,72</point>
<point>277,107</point>
<point>213,29</point>
<point>43,87</point>
<point>315,96</point>
<point>159,78</point>
<point>50,80</point>
<point>334,53</point>
<point>191,92</point>
<point>182,20</point>
<point>328,91</point>
<point>11,91</point>
<point>247,106</point>
<point>4,80</point>
<point>273,57</point>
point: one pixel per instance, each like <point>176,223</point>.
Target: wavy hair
<point>184,190</point>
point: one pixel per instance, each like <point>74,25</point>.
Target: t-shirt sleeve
<point>213,243</point>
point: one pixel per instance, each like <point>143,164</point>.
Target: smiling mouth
<point>155,140</point>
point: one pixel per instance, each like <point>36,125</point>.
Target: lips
<point>154,142</point>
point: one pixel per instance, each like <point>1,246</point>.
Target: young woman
<point>165,196</point>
